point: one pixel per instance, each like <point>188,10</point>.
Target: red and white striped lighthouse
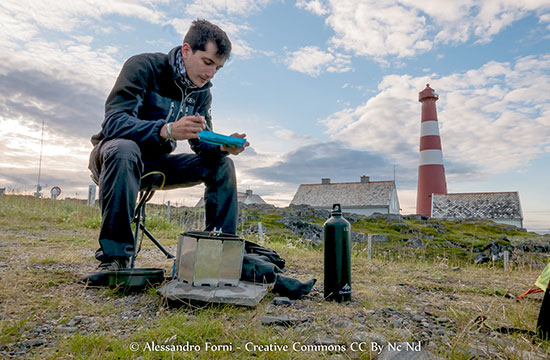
<point>431,172</point>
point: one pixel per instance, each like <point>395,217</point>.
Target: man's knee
<point>121,149</point>
<point>120,164</point>
<point>227,163</point>
<point>226,168</point>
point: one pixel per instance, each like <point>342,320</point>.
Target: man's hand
<point>185,128</point>
<point>235,150</point>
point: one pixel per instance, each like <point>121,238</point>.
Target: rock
<point>397,322</point>
<point>532,355</point>
<point>402,228</point>
<point>416,243</point>
<point>339,324</point>
<point>282,301</point>
<point>37,342</point>
<point>310,232</point>
<point>322,340</point>
<point>283,320</point>
<point>66,329</point>
<point>380,238</point>
<point>482,259</point>
<point>359,237</point>
<point>369,337</point>
<point>73,322</point>
<point>406,351</point>
<point>418,217</point>
<point>425,324</point>
<point>456,268</point>
<point>533,246</point>
<point>477,351</point>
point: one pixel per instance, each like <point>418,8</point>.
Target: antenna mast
<point>38,187</point>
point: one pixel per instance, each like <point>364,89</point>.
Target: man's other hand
<point>235,150</point>
<point>185,128</point>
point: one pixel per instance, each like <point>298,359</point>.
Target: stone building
<point>364,197</point>
<point>500,207</point>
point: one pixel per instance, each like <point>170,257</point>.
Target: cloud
<point>405,28</point>
<point>230,15</point>
<point>492,119</point>
<point>314,6</point>
<point>310,163</point>
<point>312,61</point>
<point>67,15</point>
<point>378,29</point>
<point>68,107</point>
<point>288,135</point>
<point>217,8</point>
<point>234,30</point>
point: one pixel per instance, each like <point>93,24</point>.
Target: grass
<point>46,246</point>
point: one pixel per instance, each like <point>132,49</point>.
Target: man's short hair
<point>203,31</point>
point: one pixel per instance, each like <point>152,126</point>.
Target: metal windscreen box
<point>209,259</point>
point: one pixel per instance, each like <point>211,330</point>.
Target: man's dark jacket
<point>148,93</point>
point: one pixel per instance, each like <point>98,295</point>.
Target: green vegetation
<point>46,246</point>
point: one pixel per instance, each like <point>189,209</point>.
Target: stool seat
<point>154,180</point>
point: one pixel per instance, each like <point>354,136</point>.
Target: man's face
<point>201,66</point>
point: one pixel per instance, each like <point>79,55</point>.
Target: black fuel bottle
<point>337,233</point>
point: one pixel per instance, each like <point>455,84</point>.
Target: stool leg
<point>136,236</point>
<point>139,215</point>
<point>173,270</point>
<point>156,242</point>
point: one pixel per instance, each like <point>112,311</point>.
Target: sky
<point>323,89</point>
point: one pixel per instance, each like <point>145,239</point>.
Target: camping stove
<point>209,258</point>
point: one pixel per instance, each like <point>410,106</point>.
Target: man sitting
<point>157,100</point>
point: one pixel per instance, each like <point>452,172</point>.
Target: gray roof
<point>355,194</point>
<point>494,205</point>
<point>242,197</point>
<point>250,199</point>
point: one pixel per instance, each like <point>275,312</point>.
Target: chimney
<point>431,171</point>
<point>325,181</point>
<point>248,192</point>
<point>365,179</point>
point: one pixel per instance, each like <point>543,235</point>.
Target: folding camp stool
<point>150,182</point>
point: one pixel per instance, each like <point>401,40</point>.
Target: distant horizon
<point>540,231</point>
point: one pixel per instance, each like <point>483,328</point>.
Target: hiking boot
<point>113,265</point>
<point>100,278</point>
